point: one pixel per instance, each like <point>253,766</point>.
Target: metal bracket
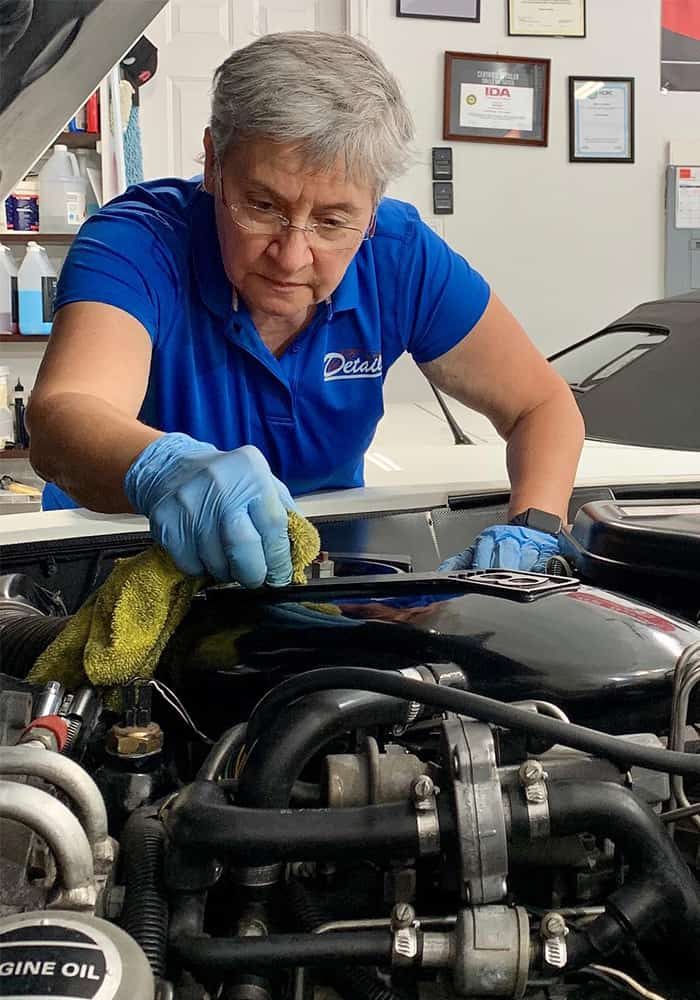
<point>479,812</point>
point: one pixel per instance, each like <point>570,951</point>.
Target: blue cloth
<point>154,252</point>
<point>506,546</point>
<point>133,153</point>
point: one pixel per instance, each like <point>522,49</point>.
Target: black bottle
<point>21,436</point>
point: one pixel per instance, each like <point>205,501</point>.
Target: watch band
<point>538,520</point>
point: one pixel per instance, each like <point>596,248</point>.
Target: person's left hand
<point>506,546</point>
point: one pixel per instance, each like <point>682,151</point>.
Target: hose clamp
<point>404,947</point>
<point>533,779</point>
<point>414,707</point>
<point>424,797</point>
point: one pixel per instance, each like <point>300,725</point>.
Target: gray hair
<point>329,94</point>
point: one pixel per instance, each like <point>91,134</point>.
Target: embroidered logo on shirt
<point>351,364</point>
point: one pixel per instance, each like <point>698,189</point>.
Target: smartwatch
<point>538,520</point>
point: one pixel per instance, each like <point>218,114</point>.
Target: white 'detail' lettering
<point>337,366</point>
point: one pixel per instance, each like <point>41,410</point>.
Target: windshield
<point>586,365</point>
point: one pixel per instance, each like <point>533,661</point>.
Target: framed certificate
<point>601,119</point>
<point>559,18</point>
<point>445,10</point>
<point>496,99</point>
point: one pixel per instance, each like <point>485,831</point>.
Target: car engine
<point>389,785</point>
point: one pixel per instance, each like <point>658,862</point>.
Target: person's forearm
<point>543,453</point>
<point>85,445</point>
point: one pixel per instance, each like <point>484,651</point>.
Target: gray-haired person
<point>220,345</point>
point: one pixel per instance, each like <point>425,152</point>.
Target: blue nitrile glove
<point>506,546</point>
<point>216,512</point>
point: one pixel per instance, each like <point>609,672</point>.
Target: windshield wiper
<point>457,433</point>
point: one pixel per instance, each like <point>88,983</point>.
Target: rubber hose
<point>477,707</point>
<point>661,887</point>
<point>282,951</point>
<point>228,744</point>
<point>201,818</point>
<point>279,754</point>
<point>24,639</point>
<point>304,794</point>
<point>145,912</point>
<point>358,983</point>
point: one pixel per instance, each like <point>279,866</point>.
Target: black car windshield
<point>586,365</point>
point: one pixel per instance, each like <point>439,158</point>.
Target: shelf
<point>22,338</point>
<point>14,453</point>
<point>77,140</point>
<point>15,237</point>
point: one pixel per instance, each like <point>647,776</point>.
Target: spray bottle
<point>21,436</point>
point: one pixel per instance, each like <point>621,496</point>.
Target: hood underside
<point>53,55</point>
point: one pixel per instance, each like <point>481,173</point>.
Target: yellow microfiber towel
<point>121,630</point>
<point>304,543</point>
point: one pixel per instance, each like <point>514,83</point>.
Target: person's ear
<point>210,170</point>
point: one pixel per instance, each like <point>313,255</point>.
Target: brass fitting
<point>135,741</point>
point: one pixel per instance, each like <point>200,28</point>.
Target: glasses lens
<point>263,222</point>
<point>259,220</point>
<point>335,237</point>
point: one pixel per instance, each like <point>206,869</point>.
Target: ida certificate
<point>496,107</point>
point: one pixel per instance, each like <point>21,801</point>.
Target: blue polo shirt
<point>154,253</point>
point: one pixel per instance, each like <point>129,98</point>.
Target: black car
<point>636,381</point>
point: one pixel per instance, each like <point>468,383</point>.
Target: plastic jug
<point>62,193</point>
<point>88,165</point>
<point>9,319</point>
<point>36,282</point>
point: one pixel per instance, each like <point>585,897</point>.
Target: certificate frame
<point>577,6</point>
<point>438,10</point>
<point>480,87</point>
<point>594,148</point>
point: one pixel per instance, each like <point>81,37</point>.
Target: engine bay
<point>385,783</point>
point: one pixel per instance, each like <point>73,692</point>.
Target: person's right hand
<point>221,513</point>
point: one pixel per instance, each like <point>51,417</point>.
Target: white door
<point>193,37</point>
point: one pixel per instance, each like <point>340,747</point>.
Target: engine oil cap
<point>70,955</point>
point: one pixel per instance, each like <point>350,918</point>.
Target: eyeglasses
<point>320,235</point>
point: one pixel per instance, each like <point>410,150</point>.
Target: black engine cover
<point>607,660</point>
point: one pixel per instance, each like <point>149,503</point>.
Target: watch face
<point>540,520</point>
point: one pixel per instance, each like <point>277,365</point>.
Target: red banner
<point>682,17</point>
<point>680,45</point>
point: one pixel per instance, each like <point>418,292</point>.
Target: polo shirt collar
<point>212,280</point>
<point>347,294</point>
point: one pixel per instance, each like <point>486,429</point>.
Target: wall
<point>568,246</point>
